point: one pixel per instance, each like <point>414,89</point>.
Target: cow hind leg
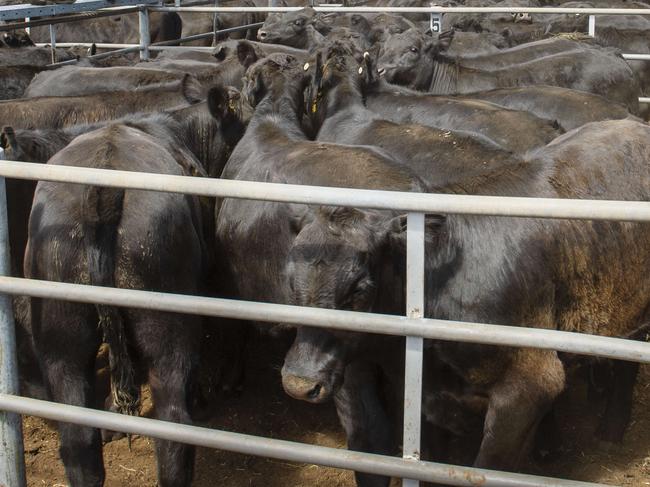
<point>516,406</point>
<point>363,417</point>
<point>169,343</point>
<point>618,409</point>
<point>67,341</point>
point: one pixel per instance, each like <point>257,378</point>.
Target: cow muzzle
<point>305,389</point>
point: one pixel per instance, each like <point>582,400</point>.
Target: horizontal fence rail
<point>317,195</point>
<point>280,449</point>
<point>433,329</point>
<point>426,10</point>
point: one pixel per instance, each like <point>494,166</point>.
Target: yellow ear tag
<point>231,106</point>
<point>314,107</point>
<point>305,67</point>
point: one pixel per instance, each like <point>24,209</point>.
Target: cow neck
<point>444,80</point>
<point>278,112</point>
<point>344,98</point>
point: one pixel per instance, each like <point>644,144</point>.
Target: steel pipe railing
<point>442,10</point>
<point>428,328</point>
<point>280,449</point>
<point>293,193</point>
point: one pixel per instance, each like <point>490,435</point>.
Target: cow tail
<point>102,212</point>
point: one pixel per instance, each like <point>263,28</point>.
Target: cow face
<point>332,264</point>
<point>408,58</point>
<point>288,29</point>
<point>273,74</point>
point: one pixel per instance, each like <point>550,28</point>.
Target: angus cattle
<point>570,108</point>
<point>64,111</point>
<point>522,272</point>
<point>424,67</point>
<point>129,239</point>
<point>32,56</point>
<point>256,236</point>
<point>15,79</point>
<point>76,81</point>
<point>294,29</point>
<point>227,50</point>
<point>338,115</point>
<point>514,130</point>
<point>120,28</point>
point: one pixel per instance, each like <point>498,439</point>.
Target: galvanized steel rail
<point>280,449</point>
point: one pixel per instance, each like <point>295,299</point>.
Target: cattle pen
<point>413,325</point>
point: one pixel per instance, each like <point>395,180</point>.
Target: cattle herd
<point>494,104</point>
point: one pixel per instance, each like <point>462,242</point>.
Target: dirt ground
<point>263,409</point>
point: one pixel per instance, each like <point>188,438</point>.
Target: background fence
<point>412,325</point>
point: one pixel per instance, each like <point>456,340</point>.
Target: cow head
<point>338,63</point>
<point>408,58</point>
<point>226,105</point>
<point>341,259</point>
<point>277,75</point>
<point>290,28</point>
<point>385,25</point>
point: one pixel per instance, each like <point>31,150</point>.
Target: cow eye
<point>414,49</point>
<point>298,22</point>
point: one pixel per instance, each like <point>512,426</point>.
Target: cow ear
<point>246,53</point>
<point>445,39</point>
<point>193,90</point>
<point>218,102</point>
<point>396,234</point>
<point>220,53</point>
<point>8,139</point>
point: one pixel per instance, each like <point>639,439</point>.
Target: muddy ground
<point>263,409</point>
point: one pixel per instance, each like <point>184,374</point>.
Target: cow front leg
<point>364,418</point>
<point>517,404</point>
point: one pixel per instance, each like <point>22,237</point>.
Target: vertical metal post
<point>177,3</point>
<point>53,41</point>
<point>273,3</point>
<point>145,38</point>
<point>592,25</point>
<point>414,345</point>
<point>28,29</point>
<point>12,461</point>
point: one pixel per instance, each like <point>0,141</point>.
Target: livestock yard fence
<point>413,325</point>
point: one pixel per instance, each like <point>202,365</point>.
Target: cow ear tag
<point>305,67</point>
<point>360,69</point>
<point>231,106</point>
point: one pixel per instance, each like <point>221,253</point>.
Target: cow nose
<point>262,34</point>
<point>304,389</point>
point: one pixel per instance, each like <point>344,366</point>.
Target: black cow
<point>574,276</point>
<point>335,98</point>
<point>129,239</point>
<point>256,236</point>
<point>55,112</point>
<point>423,66</point>
<point>15,79</point>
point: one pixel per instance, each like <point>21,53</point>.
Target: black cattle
<point>570,108</point>
<point>424,67</point>
<point>575,276</point>
<point>32,56</point>
<point>256,236</point>
<point>294,29</point>
<point>77,81</point>
<point>54,112</point>
<point>514,130</point>
<point>120,28</point>
<point>335,98</point>
<point>15,79</point>
<point>228,50</point>
<point>129,239</point>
